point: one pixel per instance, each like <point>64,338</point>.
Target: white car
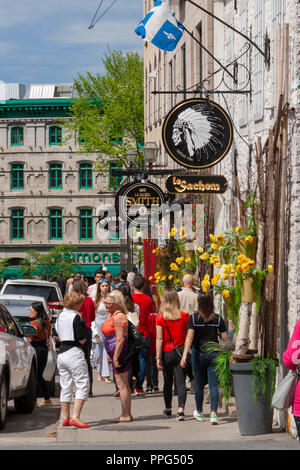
<point>18,366</point>
<point>18,307</point>
<point>35,287</point>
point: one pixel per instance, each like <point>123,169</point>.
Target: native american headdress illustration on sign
<point>197,133</point>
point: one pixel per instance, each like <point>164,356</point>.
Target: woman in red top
<point>171,325</point>
<point>88,314</point>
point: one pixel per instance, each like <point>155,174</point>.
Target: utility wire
<point>101,16</point>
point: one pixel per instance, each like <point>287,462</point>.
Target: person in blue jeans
<point>204,326</point>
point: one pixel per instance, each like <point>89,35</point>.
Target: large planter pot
<point>253,418</point>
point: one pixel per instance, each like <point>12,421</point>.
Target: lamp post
<point>131,155</point>
<point>150,152</point>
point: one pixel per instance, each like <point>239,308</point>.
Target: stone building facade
<point>50,192</point>
<point>274,25</point>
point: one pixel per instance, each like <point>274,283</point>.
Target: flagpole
<point>229,26</point>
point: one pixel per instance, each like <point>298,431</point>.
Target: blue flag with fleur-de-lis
<point>160,27</point>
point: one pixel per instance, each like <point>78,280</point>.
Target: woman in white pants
<point>71,362</point>
<point>99,353</point>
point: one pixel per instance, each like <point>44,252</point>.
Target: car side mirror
<point>29,330</point>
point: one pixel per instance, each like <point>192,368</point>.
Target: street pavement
<point>149,431</point>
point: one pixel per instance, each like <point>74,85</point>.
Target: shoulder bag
<point>284,394</point>
<point>136,341</point>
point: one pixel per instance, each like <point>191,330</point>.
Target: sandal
<point>108,381</point>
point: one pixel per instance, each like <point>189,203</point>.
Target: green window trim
<point>17,224</point>
<point>86,224</point>
<point>17,136</point>
<point>86,176</point>
<point>114,181</point>
<point>55,224</point>
<point>17,176</point>
<point>55,135</point>
<point>55,176</point>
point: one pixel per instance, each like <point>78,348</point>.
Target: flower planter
<point>248,294</point>
<point>245,249</point>
<point>253,418</point>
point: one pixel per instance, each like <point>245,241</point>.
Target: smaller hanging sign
<point>141,197</point>
<point>196,184</point>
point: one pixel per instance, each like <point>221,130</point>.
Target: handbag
<point>284,394</point>
<point>178,349</point>
<point>136,341</point>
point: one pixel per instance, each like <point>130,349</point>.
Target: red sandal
<point>73,422</point>
<point>66,422</point>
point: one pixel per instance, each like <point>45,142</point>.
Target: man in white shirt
<point>188,296</point>
<point>92,290</point>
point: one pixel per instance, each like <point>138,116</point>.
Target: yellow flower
<point>187,260</point>
<point>226,268</point>
<point>239,268</point>
<point>183,236</point>
<point>215,246</point>
<point>215,279</point>
<point>214,259</point>
<point>245,267</point>
<point>226,276</point>
<point>212,238</point>
<point>164,278</point>
<point>206,277</point>
<point>176,281</point>
<point>154,251</point>
<point>150,278</point>
<point>238,230</point>
<point>270,268</point>
<point>225,294</point>
<point>249,240</point>
<point>157,274</point>
<point>218,265</point>
<point>174,267</point>
<point>181,230</point>
<point>204,256</point>
<point>221,238</point>
<point>200,250</point>
<point>179,260</point>
<point>170,277</point>
<point>241,259</point>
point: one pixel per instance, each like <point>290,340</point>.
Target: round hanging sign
<point>135,200</point>
<point>197,133</point>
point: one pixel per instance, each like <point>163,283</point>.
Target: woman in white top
<point>99,353</point>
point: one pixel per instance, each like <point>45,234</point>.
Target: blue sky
<point>48,41</point>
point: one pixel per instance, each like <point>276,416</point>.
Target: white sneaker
<point>198,416</point>
<point>214,419</point>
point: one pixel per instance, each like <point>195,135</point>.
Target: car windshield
<point>48,292</point>
<point>17,307</point>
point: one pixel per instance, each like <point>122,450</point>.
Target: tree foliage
<point>108,114</point>
<point>50,265</point>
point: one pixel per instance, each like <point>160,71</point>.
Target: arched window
<point>55,224</point>
<point>55,135</point>
<point>17,136</point>
<point>17,224</point>
<point>85,176</point>
<point>17,176</point>
<point>86,224</point>
<point>55,176</point>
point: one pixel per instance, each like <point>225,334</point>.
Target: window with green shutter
<point>17,224</point>
<point>55,176</point>
<point>17,176</point>
<point>86,224</point>
<point>114,181</point>
<point>85,176</point>
<point>55,135</point>
<point>55,224</point>
<point>17,136</point>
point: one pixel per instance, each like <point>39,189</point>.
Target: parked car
<point>18,366</point>
<point>18,307</point>
<point>37,288</point>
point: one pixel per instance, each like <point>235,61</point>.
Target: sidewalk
<point>150,430</point>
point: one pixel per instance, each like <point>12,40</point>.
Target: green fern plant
<point>263,376</point>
